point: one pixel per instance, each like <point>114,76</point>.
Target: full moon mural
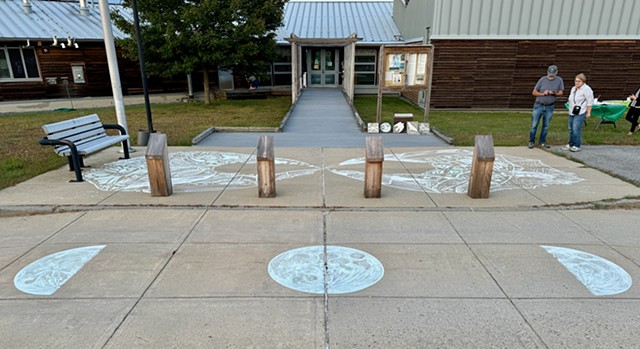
<point>344,270</point>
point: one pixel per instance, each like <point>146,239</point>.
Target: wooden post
<point>373,167</point>
<point>481,168</point>
<point>158,165</point>
<point>266,167</point>
<point>380,83</point>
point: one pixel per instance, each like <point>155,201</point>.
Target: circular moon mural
<point>344,270</point>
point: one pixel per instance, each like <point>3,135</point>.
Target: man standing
<point>546,90</point>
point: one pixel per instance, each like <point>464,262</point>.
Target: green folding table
<point>608,111</point>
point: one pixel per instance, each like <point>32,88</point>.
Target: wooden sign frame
<point>405,68</point>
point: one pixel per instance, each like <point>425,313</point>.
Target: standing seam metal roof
<point>371,21</point>
<point>52,18</point>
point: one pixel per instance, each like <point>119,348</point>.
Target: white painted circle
<point>347,269</point>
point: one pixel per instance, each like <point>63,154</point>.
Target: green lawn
<point>508,128</point>
<point>21,157</point>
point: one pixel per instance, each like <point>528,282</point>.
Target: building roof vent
<point>84,10</point>
<point>26,7</point>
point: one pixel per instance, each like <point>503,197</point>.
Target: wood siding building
<point>490,53</point>
<point>55,50</point>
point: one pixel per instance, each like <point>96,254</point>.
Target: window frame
<point>278,70</point>
<point>366,52</point>
<point>4,52</point>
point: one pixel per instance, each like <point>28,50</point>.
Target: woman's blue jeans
<point>575,129</point>
<point>544,112</point>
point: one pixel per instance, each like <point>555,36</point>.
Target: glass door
<point>323,67</point>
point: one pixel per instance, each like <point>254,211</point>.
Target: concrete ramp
<point>321,118</point>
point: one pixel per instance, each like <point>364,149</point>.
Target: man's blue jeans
<point>544,112</point>
<point>575,129</point>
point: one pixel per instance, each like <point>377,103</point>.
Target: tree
<point>184,36</point>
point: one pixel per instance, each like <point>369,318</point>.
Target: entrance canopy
<point>326,65</point>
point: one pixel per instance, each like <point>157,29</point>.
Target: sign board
<point>406,67</point>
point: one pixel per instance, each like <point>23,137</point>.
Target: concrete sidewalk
<point>191,270</point>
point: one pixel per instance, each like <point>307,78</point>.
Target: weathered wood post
<point>158,165</point>
<point>373,167</point>
<point>266,167</point>
<point>481,168</point>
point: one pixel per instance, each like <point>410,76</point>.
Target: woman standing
<point>633,113</point>
<point>580,102</point>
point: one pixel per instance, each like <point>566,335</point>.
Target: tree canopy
<point>184,36</point>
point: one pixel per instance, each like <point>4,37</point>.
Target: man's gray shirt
<point>552,85</point>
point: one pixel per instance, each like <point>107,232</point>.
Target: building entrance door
<point>323,67</point>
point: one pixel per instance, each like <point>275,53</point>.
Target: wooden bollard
<point>158,165</point>
<point>373,167</point>
<point>266,167</point>
<point>481,168</point>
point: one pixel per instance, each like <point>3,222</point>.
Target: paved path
<point>192,270</point>
<point>322,118</point>
<point>620,161</point>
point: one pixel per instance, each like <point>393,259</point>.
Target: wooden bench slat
<point>63,125</point>
<point>76,134</point>
<point>80,143</point>
<point>93,147</point>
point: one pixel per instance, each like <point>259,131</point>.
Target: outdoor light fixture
<point>69,43</point>
<point>28,43</point>
<point>55,41</point>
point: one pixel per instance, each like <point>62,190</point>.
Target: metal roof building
<point>42,20</point>
<point>370,20</point>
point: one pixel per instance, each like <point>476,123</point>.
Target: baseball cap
<point>552,70</point>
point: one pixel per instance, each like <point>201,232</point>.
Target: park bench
<point>76,138</point>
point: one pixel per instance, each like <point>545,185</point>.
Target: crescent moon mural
<point>600,276</point>
<point>347,270</point>
<point>46,275</point>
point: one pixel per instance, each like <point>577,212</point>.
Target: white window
<point>18,63</point>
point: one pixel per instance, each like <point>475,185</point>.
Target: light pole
<point>143,138</point>
<point>112,62</point>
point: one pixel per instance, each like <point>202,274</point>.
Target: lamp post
<point>112,62</point>
<point>143,137</point>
